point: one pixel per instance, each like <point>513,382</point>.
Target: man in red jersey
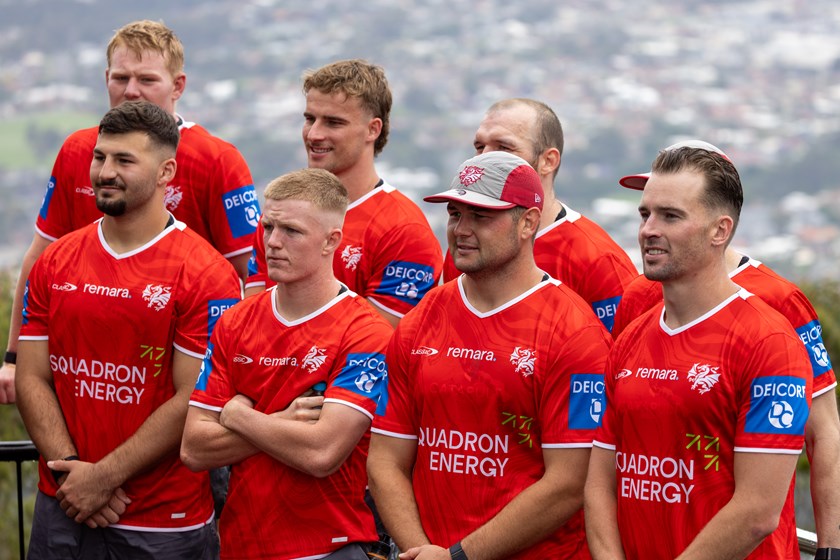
<point>495,389</point>
<point>116,321</point>
<point>708,393</point>
<point>569,246</point>
<point>212,193</point>
<point>297,488</point>
<point>389,254</point>
<point>822,432</point>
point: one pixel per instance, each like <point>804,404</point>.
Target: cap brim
<point>469,197</point>
<point>636,182</point>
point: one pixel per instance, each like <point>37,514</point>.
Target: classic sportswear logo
<point>172,197</point>
<point>314,359</point>
<point>66,287</point>
<point>351,257</point>
<point>242,359</point>
<point>623,373</point>
<point>523,359</point>
<point>703,377</point>
<point>424,351</point>
<point>157,296</point>
<point>86,191</point>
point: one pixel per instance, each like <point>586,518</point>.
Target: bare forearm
<point>207,444</point>
<point>41,414</point>
<point>730,535</point>
<point>393,492</point>
<point>823,446</point>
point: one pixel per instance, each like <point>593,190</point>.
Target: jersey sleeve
<point>214,289</point>
<point>235,207</point>
<point>71,170</point>
<point>572,398</point>
<point>605,283</point>
<point>638,297</point>
<point>257,268</point>
<point>406,265</point>
<point>360,377</point>
<point>36,301</point>
<point>801,314</point>
<point>775,397</point>
<point>396,416</point>
<point>214,386</point>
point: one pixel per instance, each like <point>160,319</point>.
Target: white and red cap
<point>639,180</point>
<point>494,180</point>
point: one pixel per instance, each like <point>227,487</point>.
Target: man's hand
<point>426,552</point>
<point>303,409</point>
<point>7,384</point>
<point>84,491</point>
<point>110,512</point>
<point>234,405</point>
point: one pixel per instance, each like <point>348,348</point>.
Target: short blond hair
<point>147,35</point>
<point>318,186</point>
<point>359,79</point>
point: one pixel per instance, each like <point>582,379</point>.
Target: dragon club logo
<point>351,257</point>
<point>314,359</point>
<point>157,296</point>
<point>172,197</point>
<point>470,175</point>
<point>523,359</point>
<point>703,377</point>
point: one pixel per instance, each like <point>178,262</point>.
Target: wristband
<point>58,474</point>
<point>827,554</point>
<point>10,357</point>
<point>457,553</point>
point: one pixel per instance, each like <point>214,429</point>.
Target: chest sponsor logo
<point>811,337</point>
<point>605,310</point>
<point>471,354</point>
<point>465,452</point>
<point>45,204</point>
<point>703,377</point>
<point>314,359</point>
<point>66,287</point>
<point>351,256</point>
<point>523,360</point>
<point>86,190</point>
<point>424,351</point>
<point>278,362</point>
<point>650,478</point>
<point>106,291</point>
<point>663,374</point>
<point>586,401</point>
<point>406,280</point>
<point>242,208</point>
<point>121,383</point>
<point>778,405</point>
<point>157,296</point>
<point>172,197</point>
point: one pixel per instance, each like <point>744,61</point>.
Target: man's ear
<point>721,230</point>
<point>530,222</point>
<point>332,241</point>
<point>166,172</point>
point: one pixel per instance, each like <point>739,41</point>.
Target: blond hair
<point>147,35</point>
<point>318,186</point>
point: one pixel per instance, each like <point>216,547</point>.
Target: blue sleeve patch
<point>605,310</point>
<point>243,210</point>
<point>406,281</point>
<point>252,263</point>
<point>811,337</point>
<point>206,369</point>
<point>778,405</point>
<point>365,375</point>
<point>45,204</point>
<point>586,401</point>
<point>25,313</point>
<point>215,308</point>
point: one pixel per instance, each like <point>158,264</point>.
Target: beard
<point>109,206</point>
